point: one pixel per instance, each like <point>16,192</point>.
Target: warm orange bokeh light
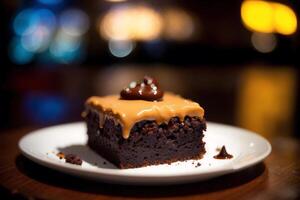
<point>268,17</point>
<point>131,23</point>
<point>179,24</point>
<point>144,23</point>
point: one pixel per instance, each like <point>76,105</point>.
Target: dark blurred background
<point>238,58</point>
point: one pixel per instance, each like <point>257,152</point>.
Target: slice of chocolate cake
<point>144,126</point>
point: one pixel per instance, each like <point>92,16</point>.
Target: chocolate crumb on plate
<point>73,159</point>
<point>198,164</point>
<point>223,154</point>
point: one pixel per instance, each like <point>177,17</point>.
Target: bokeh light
<point>264,42</point>
<point>18,54</point>
<point>258,16</point>
<point>131,23</point>
<point>24,22</point>
<point>143,23</point>
<point>35,27</point>
<point>179,24</point>
<point>38,40</point>
<point>45,108</point>
<point>285,19</point>
<point>45,17</point>
<point>120,48</point>
<point>29,19</point>
<point>39,35</point>
<point>74,22</point>
<point>50,2</point>
<point>65,48</point>
<point>268,17</point>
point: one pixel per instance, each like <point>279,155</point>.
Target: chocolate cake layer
<point>149,143</point>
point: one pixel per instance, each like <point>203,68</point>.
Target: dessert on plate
<point>145,126</point>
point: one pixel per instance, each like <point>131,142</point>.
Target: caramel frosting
<point>129,112</point>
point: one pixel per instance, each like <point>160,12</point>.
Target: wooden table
<point>277,178</point>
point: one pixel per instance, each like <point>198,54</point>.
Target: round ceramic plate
<point>246,147</point>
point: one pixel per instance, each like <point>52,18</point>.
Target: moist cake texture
<point>136,132</point>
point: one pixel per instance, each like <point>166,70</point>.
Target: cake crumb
<point>223,154</point>
<point>198,165</point>
<point>73,159</point>
<point>60,155</point>
<point>104,163</point>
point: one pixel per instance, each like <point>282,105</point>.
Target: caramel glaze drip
<point>129,112</point>
<point>148,90</point>
<point>223,154</point>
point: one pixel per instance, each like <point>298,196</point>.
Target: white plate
<point>247,148</point>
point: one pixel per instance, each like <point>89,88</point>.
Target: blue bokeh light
<point>120,48</point>
<point>50,2</point>
<point>74,22</point>
<point>39,34</point>
<point>67,57</point>
<point>29,19</point>
<point>66,48</point>
<point>45,108</point>
<point>24,22</point>
<point>45,17</point>
<point>18,54</point>
<point>37,41</point>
